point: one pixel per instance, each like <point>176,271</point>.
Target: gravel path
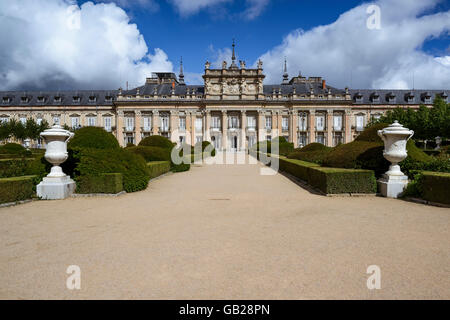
<point>224,232</point>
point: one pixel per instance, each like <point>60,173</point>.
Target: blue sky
<point>116,41</point>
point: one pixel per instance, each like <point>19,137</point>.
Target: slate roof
<point>99,97</point>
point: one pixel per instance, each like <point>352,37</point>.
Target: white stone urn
<point>57,185</point>
<point>438,143</point>
<point>395,138</point>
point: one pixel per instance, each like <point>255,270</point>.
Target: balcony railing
<point>146,129</point>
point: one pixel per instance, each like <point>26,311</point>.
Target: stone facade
<point>233,109</point>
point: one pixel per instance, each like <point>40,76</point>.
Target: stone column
<point>261,125</point>
<point>274,130</point>
<point>348,126</point>
<point>174,136</point>
<point>330,128</point>
<point>138,124</point>
<point>155,122</point>
<point>279,123</point>
<point>188,128</point>
<point>207,134</point>
<point>293,128</point>
<point>243,145</point>
<point>312,126</point>
<point>119,128</point>
<point>193,117</point>
<point>224,130</point>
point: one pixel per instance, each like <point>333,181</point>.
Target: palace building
<point>233,109</point>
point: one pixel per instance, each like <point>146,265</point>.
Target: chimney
<point>324,84</point>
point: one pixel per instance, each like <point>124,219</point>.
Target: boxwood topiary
<point>94,138</point>
<point>157,141</point>
<point>151,153</point>
<point>99,161</point>
<point>313,152</point>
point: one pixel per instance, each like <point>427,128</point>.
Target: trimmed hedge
<point>94,162</point>
<point>313,152</point>
<point>157,141</point>
<point>24,167</point>
<point>331,180</point>
<point>181,167</point>
<point>151,153</point>
<point>436,186</point>
<point>284,146</point>
<point>158,168</point>
<point>104,183</point>
<point>17,189</point>
<point>93,138</point>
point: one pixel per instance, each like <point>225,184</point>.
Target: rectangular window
<point>285,123</point>
<point>4,119</point>
<point>129,123</point>
<point>251,122</point>
<point>91,121</point>
<point>23,120</point>
<point>337,123</point>
<point>302,123</point>
<point>268,123</point>
<point>147,124</point>
<point>215,122</point>
<point>198,139</point>
<point>107,123</point>
<point>56,120</point>
<point>75,121</point>
<point>359,123</point>
<point>302,139</point>
<point>338,139</point>
<point>198,124</point>
<point>320,123</point>
<point>165,124</point>
<point>233,122</point>
<point>320,138</point>
<point>182,124</point>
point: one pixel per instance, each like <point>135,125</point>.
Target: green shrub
<point>93,138</point>
<point>370,133</point>
<point>94,162</point>
<point>297,168</point>
<point>16,189</point>
<point>346,155</point>
<point>335,180</point>
<point>12,148</point>
<point>151,153</point>
<point>181,167</point>
<point>266,146</point>
<point>415,185</point>
<point>157,141</point>
<point>110,183</point>
<point>331,180</point>
<point>314,154</point>
<point>436,186</point>
<point>158,168</point>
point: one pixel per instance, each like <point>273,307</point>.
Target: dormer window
<point>409,97</point>
<point>76,99</point>
<point>358,97</point>
<point>390,97</point>
<point>426,97</point>
<point>108,98</point>
<point>24,99</point>
<point>164,97</point>
<point>444,96</point>
<point>57,99</point>
<point>199,97</point>
<point>41,99</point>
<point>375,97</point>
<point>6,100</point>
<point>92,98</point>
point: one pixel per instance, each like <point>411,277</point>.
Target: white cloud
<point>384,58</point>
<point>151,5</point>
<point>190,7</point>
<point>46,46</point>
<point>253,8</point>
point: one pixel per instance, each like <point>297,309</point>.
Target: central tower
<point>234,82</point>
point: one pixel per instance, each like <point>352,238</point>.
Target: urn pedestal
<point>393,182</point>
<point>56,185</point>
